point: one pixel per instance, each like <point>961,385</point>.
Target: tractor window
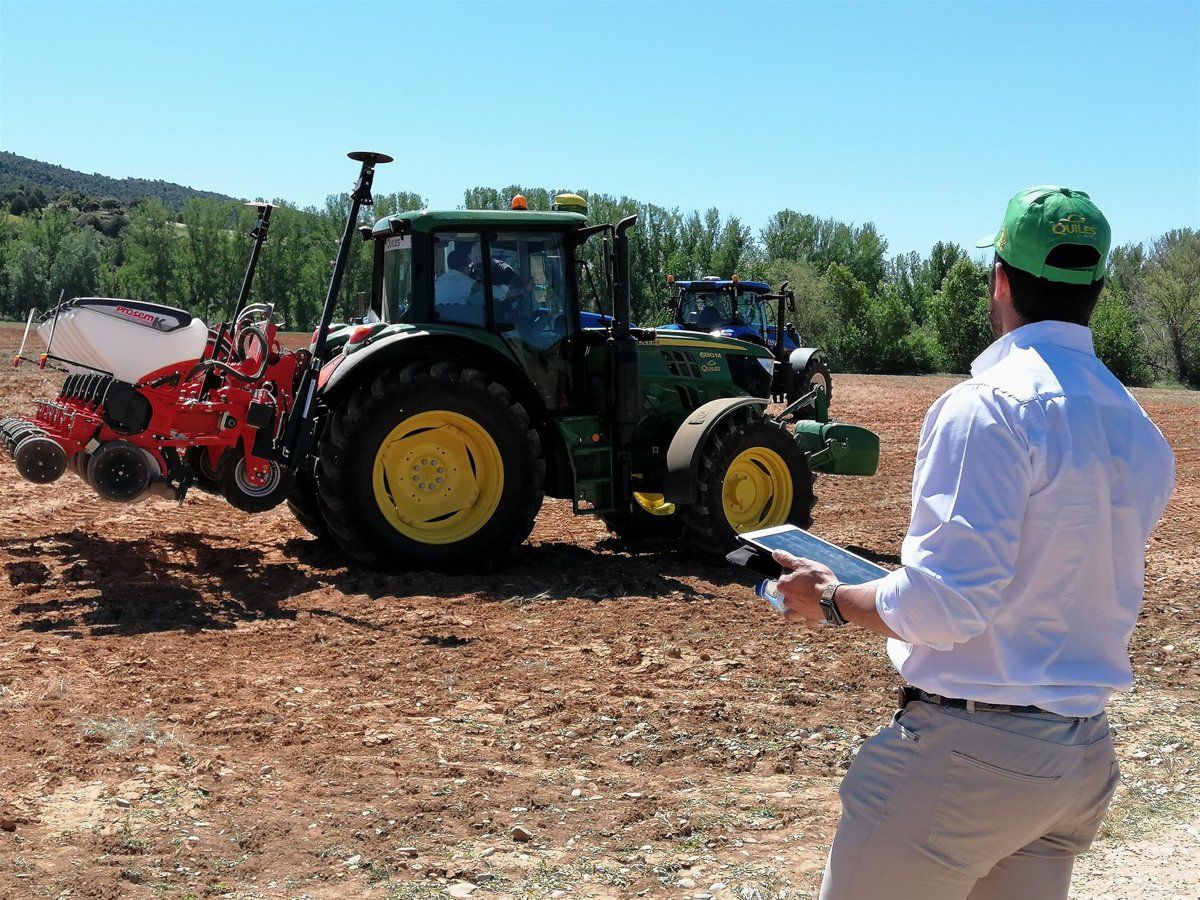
<point>529,306</point>
<point>397,277</point>
<point>705,310</point>
<point>457,278</point>
<point>754,312</point>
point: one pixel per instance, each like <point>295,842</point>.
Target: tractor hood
<point>702,340</point>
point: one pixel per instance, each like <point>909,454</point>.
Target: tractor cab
<point>729,308</point>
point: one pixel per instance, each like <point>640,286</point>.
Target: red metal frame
<point>191,407</point>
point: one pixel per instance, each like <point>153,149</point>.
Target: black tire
<point>305,505</point>
<point>638,524</point>
<point>357,429</point>
<point>201,465</point>
<point>246,496</point>
<point>709,531</point>
<point>816,374</point>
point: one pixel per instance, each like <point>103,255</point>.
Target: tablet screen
<point>848,567</point>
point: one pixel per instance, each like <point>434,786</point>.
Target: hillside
<point>21,171</point>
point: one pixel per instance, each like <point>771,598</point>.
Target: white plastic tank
<point>128,338</point>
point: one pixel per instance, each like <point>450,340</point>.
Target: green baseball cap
<point>1039,219</point>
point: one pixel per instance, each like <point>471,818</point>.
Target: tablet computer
<point>848,568</point>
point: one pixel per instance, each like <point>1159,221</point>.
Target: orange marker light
<point>518,202</point>
<point>361,333</point>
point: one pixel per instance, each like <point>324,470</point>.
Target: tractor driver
<point>454,285</point>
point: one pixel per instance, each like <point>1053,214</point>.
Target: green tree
<point>1169,295</point>
<point>892,342</point>
<point>152,250</point>
<point>959,318</point>
<point>847,299</point>
<point>28,286</point>
<point>1117,337</point>
<point>75,270</point>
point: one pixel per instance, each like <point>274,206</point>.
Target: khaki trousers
<point>946,804</point>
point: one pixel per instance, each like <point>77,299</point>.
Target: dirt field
<point>197,702</point>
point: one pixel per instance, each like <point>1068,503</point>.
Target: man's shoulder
<point>1021,377</point>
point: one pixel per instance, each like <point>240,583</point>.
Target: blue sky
<point>921,117</point>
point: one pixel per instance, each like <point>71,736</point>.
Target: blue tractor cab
<point>749,311</point>
<point>712,305</point>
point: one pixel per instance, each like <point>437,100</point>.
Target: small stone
<point>461,889</point>
<point>352,862</point>
<point>521,834</point>
<point>686,883</point>
<point>520,809</point>
<point>7,824</point>
<point>716,886</point>
<point>486,852</point>
<point>123,802</point>
<point>558,893</point>
<point>407,851</point>
<point>577,793</point>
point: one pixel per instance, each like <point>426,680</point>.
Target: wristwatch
<point>833,615</point>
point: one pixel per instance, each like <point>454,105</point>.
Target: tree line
<point>871,310</point>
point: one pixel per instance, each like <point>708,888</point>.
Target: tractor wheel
<point>200,461</point>
<point>236,486</point>
<point>305,504</point>
<point>430,467</point>
<point>752,475</point>
<point>649,517</point>
<point>816,375</point>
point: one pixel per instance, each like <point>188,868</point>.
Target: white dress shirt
<point>1036,487</point>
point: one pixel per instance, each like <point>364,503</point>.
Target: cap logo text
<point>1073,224</point>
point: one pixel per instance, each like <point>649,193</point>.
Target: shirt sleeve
<point>972,482</point>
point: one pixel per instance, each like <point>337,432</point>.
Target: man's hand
<point>802,586</point>
<point>805,581</point>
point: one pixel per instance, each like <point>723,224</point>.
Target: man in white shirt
<point>1037,484</point>
<point>454,285</point>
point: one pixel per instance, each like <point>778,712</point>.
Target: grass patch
<point>119,733</point>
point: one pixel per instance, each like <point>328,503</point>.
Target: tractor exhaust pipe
<point>40,459</point>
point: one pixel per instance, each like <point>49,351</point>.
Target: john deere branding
<point>1073,224</point>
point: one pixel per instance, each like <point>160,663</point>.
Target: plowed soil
<point>200,702</point>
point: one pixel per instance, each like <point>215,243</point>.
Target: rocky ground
<point>198,702</point>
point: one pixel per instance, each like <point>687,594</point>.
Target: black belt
<point>907,694</point>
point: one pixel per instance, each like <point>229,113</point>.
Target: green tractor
<point>498,366</point>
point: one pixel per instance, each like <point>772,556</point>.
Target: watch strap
<point>829,606</point>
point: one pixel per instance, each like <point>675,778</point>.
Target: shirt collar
<point>1061,334</point>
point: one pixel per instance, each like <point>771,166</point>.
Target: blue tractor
<point>748,311</point>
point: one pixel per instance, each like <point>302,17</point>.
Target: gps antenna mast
<point>300,424</point>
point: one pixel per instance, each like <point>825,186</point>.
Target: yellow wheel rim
<point>438,477</point>
<point>655,504</point>
<point>757,490</point>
